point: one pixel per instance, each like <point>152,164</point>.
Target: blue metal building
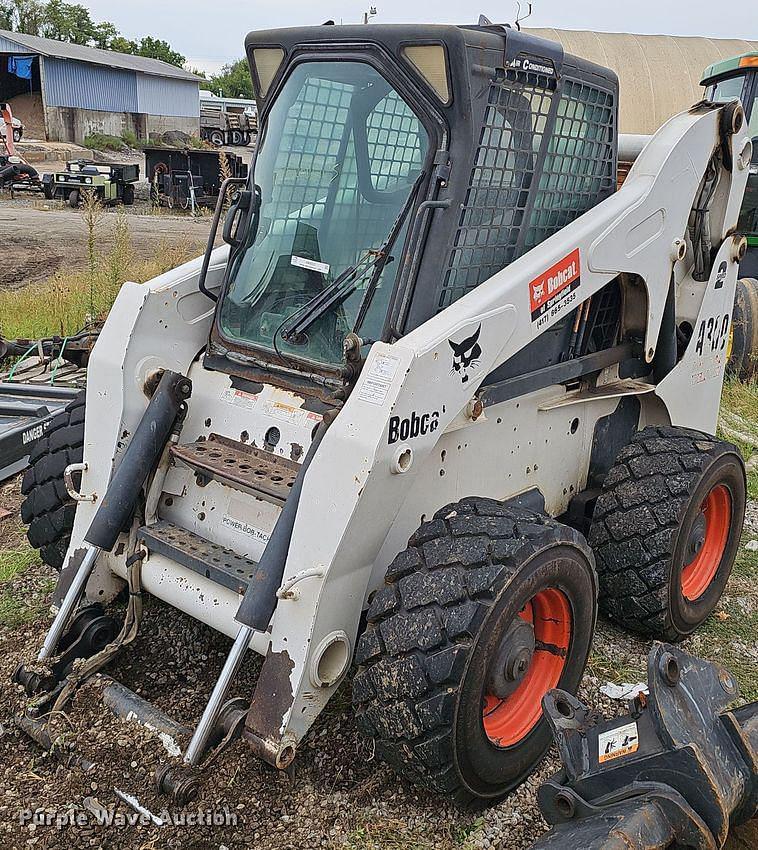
<point>68,91</point>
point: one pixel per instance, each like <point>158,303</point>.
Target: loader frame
<point>427,418</point>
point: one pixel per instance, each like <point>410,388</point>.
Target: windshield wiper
<point>344,284</point>
<point>338,290</point>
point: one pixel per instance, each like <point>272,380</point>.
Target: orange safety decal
<point>553,291</point>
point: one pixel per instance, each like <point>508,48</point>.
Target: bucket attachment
<point>677,771</point>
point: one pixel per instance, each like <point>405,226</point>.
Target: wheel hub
<point>512,659</point>
<point>696,537</point>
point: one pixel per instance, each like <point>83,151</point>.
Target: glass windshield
<point>726,90</point>
<point>339,159</point>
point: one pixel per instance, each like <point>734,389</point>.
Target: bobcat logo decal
<point>466,354</point>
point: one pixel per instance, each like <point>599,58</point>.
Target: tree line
<point>73,23</point>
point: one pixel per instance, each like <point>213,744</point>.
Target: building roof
<point>94,55</point>
<point>746,60</point>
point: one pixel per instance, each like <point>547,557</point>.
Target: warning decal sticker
<point>621,741</point>
<point>554,291</point>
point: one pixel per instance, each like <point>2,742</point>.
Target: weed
<point>225,172</point>
<point>103,142</point>
<point>738,422</point>
<point>66,302</point>
<point>92,213</point>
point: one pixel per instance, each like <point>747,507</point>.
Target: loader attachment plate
<point>241,466</point>
<point>677,771</point>
<point>221,565</point>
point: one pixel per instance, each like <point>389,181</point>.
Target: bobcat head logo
<point>466,354</point>
<point>538,291</point>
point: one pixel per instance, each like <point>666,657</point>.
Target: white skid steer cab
<point>444,394</point>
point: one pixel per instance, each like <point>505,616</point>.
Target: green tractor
<point>724,81</point>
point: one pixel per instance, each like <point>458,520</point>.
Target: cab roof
<point>744,61</point>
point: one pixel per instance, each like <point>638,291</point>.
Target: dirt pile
<point>28,109</point>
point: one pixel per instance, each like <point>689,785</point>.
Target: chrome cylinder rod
<point>70,601</point>
<point>199,741</point>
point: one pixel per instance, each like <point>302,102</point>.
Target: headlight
<point>87,179</point>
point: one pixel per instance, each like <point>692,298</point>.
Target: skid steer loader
<point>443,392</point>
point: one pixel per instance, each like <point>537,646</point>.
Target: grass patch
<point>105,142</point>
<point>70,299</point>
<point>17,607</point>
<point>728,635</point>
<point>15,561</point>
<point>382,833</point>
<point>738,423</point>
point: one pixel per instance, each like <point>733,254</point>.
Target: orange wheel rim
<point>507,721</point>
<point>699,573</point>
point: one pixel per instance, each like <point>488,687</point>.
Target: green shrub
<point>103,142</point>
<point>130,138</point>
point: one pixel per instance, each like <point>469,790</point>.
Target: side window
<point>503,172</point>
<point>525,187</point>
<point>753,122</point>
<point>579,164</point>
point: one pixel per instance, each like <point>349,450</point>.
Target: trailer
<point>227,121</point>
<point>26,412</point>
<point>186,178</point>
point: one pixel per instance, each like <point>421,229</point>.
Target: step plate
<point>215,562</point>
<point>241,466</point>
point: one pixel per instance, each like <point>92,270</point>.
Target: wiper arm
<point>344,285</point>
<point>338,290</point>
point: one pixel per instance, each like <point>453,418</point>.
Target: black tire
<point>426,656</point>
<point>666,529</point>
<point>17,134</point>
<point>127,196</point>
<point>235,138</point>
<point>216,137</point>
<point>48,510</point>
<point>73,198</point>
<point>743,334</point>
<point>48,191</point>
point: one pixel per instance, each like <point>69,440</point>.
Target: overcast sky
<point>210,32</point>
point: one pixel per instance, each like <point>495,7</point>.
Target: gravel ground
<point>339,795</point>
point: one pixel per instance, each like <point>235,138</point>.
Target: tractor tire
<point>73,198</point>
<point>666,529</point>
<point>488,608</point>
<point>742,351</point>
<point>127,196</point>
<point>48,510</point>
